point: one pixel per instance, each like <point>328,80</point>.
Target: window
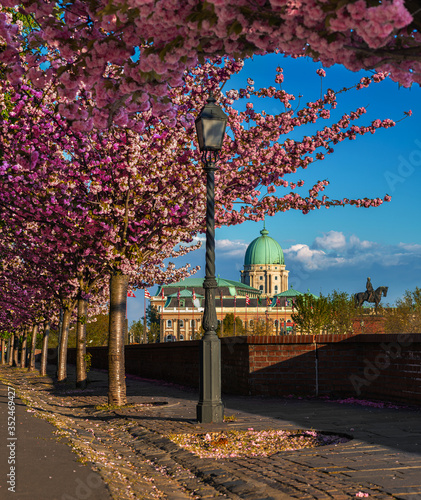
<point>181,337</point>
<point>276,278</point>
<point>261,278</point>
<point>261,288</point>
<point>276,288</point>
<point>261,267</point>
<point>181,323</point>
<point>182,303</point>
<point>169,323</point>
<point>192,323</point>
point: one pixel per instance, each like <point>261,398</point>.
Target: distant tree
<point>342,312</point>
<point>153,320</point>
<point>97,331</point>
<point>153,324</point>
<point>136,331</point>
<point>228,326</point>
<point>406,316</point>
<point>312,313</point>
<point>258,327</point>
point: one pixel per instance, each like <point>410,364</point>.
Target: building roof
<point>264,250</point>
<point>294,293</point>
<point>185,293</point>
<point>231,287</point>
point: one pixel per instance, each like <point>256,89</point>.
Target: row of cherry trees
<point>86,214</point>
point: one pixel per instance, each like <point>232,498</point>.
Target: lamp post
<point>210,128</point>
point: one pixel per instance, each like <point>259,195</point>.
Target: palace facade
<point>262,299</point>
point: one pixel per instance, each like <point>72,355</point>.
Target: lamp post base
<point>210,408</point>
<point>210,413</point>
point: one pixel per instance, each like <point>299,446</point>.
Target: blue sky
<point>339,247</point>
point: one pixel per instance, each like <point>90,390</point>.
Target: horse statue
<point>373,297</point>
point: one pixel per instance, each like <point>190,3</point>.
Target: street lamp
<point>210,128</point>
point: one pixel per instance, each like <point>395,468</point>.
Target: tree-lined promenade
<point>100,179</point>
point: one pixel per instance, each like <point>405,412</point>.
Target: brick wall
<point>371,324</point>
<point>365,366</point>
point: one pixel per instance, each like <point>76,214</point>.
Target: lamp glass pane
<point>213,134</point>
<point>199,132</point>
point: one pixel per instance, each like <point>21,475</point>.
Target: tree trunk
<point>60,329</point>
<point>116,372</point>
<point>62,353</point>
<point>31,366</point>
<point>23,349</point>
<point>44,353</point>
<point>15,361</point>
<point>3,346</point>
<point>81,377</point>
<point>10,343</point>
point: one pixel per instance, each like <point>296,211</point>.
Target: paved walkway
<point>34,464</point>
<point>135,460</point>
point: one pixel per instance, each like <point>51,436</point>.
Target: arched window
<point>261,288</point>
<point>276,289</point>
<point>181,337</point>
<point>169,323</point>
<point>181,323</point>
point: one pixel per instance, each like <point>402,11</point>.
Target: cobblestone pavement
<point>131,452</point>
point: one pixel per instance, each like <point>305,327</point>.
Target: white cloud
<point>231,248</point>
<point>333,240</point>
<point>355,242</point>
<point>311,259</point>
<point>333,249</point>
<point>411,247</point>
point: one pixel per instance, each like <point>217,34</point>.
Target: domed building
<point>262,300</point>
<point>264,266</point>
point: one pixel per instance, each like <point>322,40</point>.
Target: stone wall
<point>365,366</point>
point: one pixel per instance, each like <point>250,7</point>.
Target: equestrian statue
<point>370,295</point>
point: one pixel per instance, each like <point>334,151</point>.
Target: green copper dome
<point>264,250</point>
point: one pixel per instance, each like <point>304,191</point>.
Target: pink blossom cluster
<point>126,56</point>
